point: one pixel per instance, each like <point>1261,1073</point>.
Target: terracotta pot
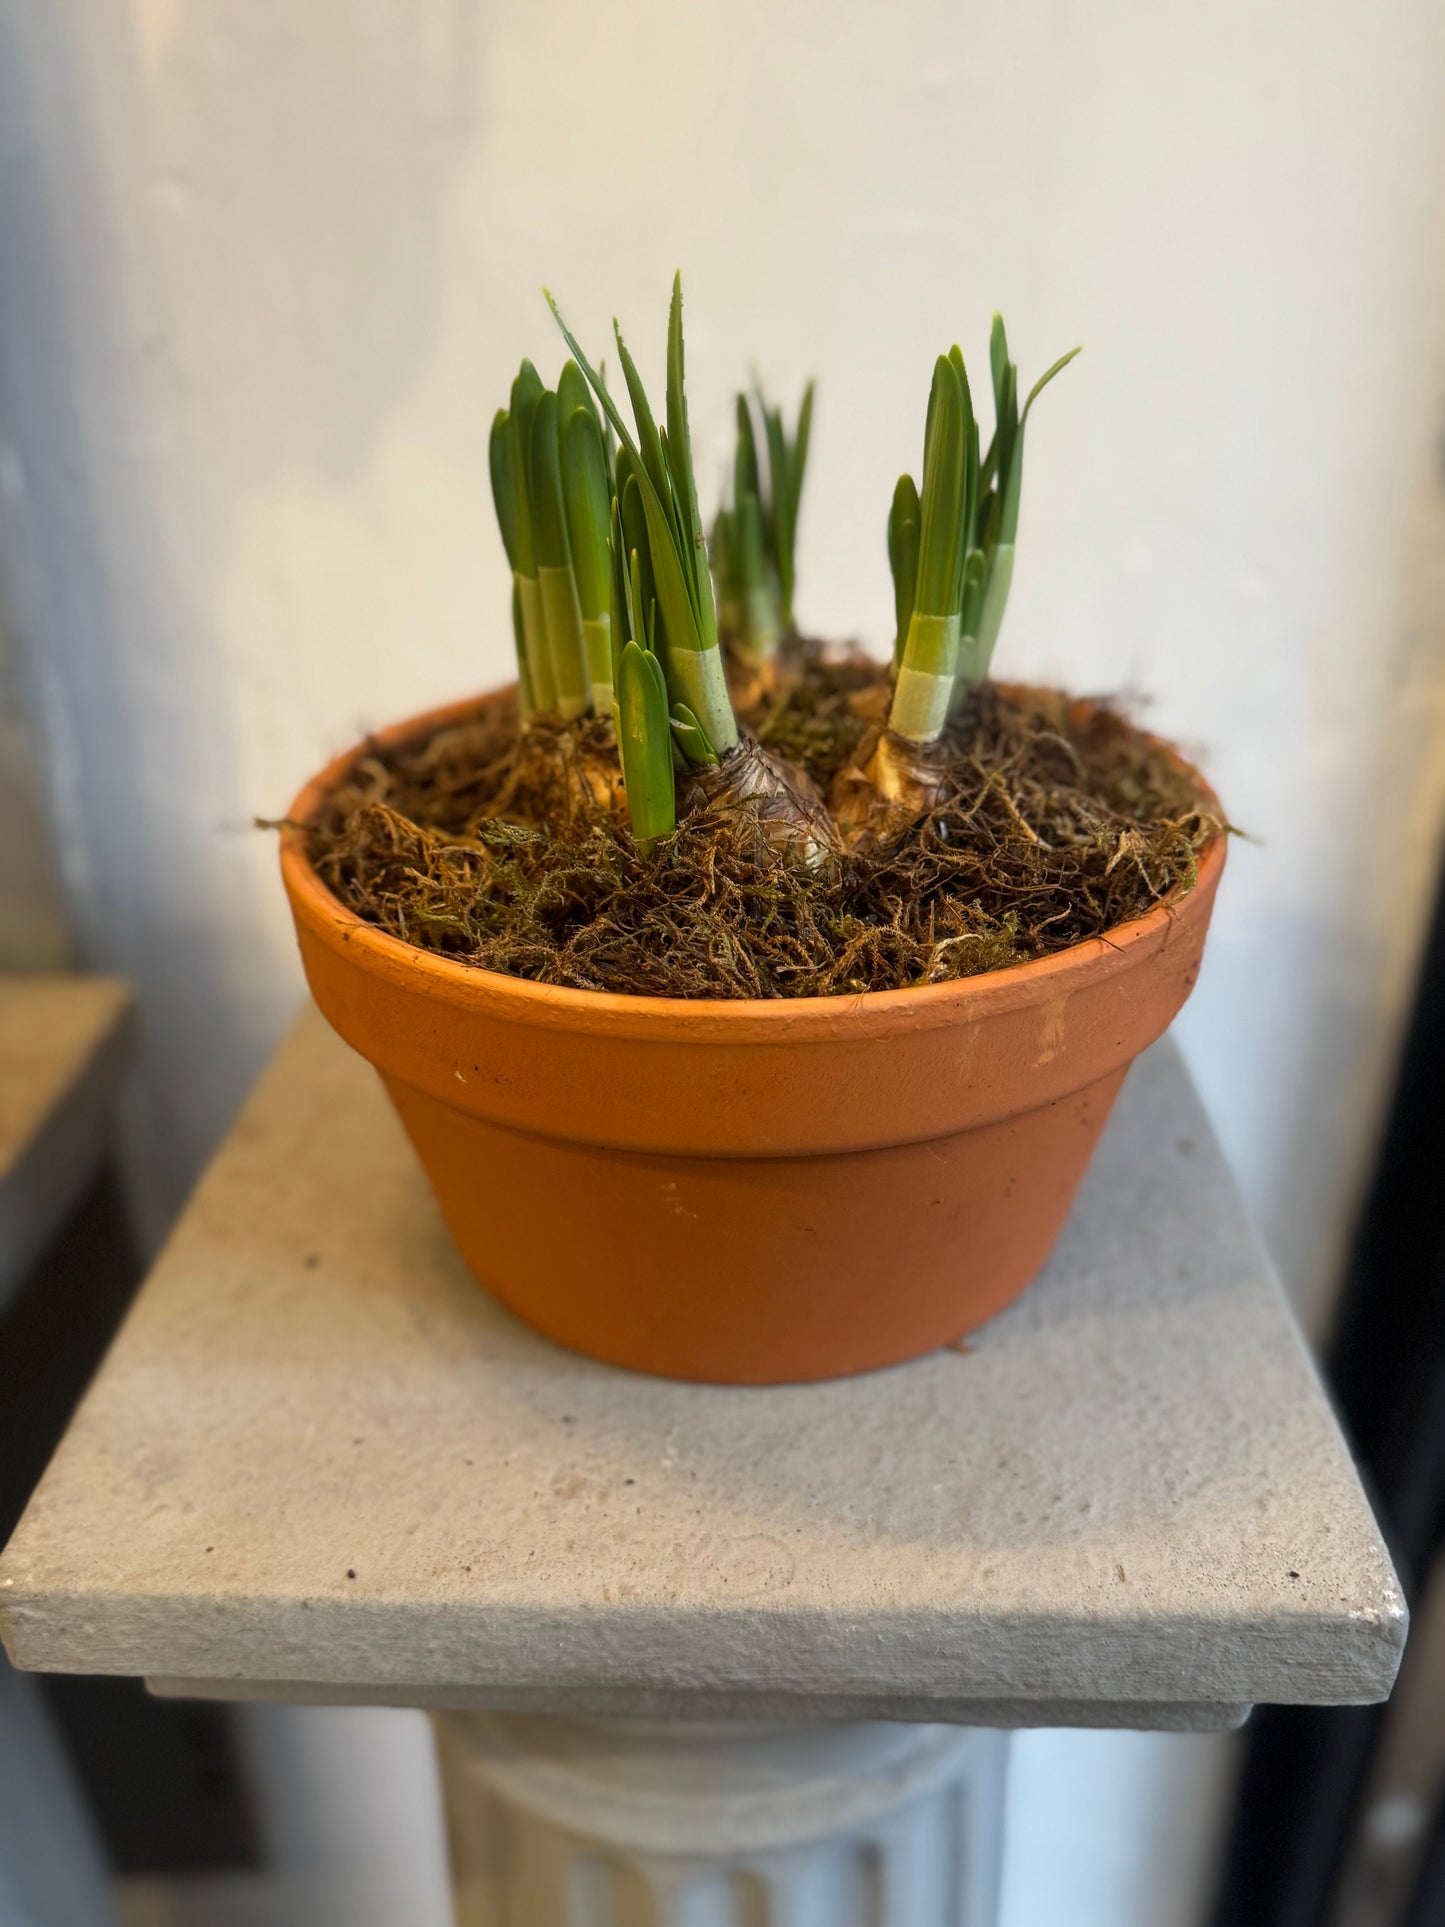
<point>748,1192</point>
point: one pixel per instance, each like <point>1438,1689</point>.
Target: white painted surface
<point>264,268</point>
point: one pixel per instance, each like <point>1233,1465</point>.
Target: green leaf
<point>573,393</point>
<point>988,467</point>
<point>549,524</point>
<point>622,630</point>
<point>975,571</point>
<point>680,575</point>
<point>970,498</point>
<point>1011,490</point>
<point>970,473</point>
<point>525,702</point>
<point>644,742</point>
<point>720,545</point>
<point>652,455</point>
<point>955,355</point>
<point>640,603</point>
<point>589,508</point>
<point>671,581</point>
<point>751,551</point>
<point>1008,422</point>
<point>1047,376</point>
<point>609,437</point>
<point>998,362</point>
<point>746,480</point>
<point>985,515</point>
<point>798,466</point>
<point>637,550</point>
<point>675,588</point>
<point>679,440</point>
<point>941,503</point>
<point>526,393</point>
<point>796,459</point>
<point>629,449</point>
<point>903,523</point>
<point>692,737</point>
<point>690,623</point>
<point>780,504</point>
<point>504,484</point>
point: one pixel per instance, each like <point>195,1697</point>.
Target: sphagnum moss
<point>1056,824</point>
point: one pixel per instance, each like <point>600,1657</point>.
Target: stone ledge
<point>65,1043</point>
<point>317,1454</point>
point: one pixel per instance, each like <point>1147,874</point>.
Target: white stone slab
<point>64,1046</point>
<point>319,1458</point>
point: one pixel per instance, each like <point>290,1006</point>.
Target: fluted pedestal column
<point>633,1823</point>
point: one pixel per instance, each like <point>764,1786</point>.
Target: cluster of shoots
<point>951,548</point>
<point>613,602</point>
<point>754,542</point>
<point>672,708</point>
<point>552,482</point>
<point>613,599</point>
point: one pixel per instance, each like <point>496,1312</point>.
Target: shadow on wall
<point>189,311</point>
<point>1354,924</point>
<point>1387,866</point>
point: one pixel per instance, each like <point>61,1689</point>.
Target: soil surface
<point>1055,821</point>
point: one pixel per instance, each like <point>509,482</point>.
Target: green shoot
<point>646,744</point>
<point>903,519</point>
<point>572,394</point>
<point>691,737</point>
<point>754,541</point>
<point>924,682</point>
<point>551,484</point>
<point>747,581</point>
<point>787,465</point>
<point>643,745</point>
<point>952,550</point>
<point>561,610</point>
<point>587,498</point>
<point>508,457</point>
<point>1002,513</point>
<point>525,704</point>
<point>667,540</point>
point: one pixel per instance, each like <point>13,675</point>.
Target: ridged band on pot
<point>747,1191</point>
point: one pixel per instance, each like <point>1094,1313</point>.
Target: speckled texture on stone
<point>64,1045</point>
<point>317,1453</point>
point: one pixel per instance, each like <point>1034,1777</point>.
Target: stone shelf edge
<point>1150,1716</point>
<point>318,1457</point>
<point>65,1044</point>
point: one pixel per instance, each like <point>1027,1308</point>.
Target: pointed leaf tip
<point>1047,376</point>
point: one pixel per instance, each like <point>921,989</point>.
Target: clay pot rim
<point>961,1000</point>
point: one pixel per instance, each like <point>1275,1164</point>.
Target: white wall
<point>265,270</point>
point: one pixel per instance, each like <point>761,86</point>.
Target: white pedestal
<point>633,1823</point>
<point>319,1464</point>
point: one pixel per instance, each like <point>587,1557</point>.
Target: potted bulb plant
<point>754,1008</point>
